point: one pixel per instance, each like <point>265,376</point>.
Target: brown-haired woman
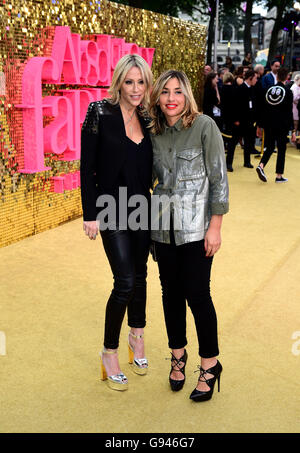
<point>189,163</point>
<point>211,98</point>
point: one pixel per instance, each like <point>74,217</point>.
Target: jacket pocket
<point>189,164</point>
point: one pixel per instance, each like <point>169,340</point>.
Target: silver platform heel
<point>115,381</point>
<point>139,366</point>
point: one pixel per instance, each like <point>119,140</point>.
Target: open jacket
<point>103,139</point>
<point>191,171</point>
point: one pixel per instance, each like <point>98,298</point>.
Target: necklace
<point>130,129</point>
<point>128,121</point>
<point>130,118</point>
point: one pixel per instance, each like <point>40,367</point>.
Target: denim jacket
<point>192,180</point>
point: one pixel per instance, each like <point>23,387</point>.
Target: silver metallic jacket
<point>192,180</point>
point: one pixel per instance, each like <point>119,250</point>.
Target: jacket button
<point>170,170</point>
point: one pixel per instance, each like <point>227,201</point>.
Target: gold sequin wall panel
<point>39,178</point>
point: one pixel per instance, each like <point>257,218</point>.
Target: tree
<point>281,7</point>
<point>208,8</point>
<point>247,27</point>
<point>228,10</point>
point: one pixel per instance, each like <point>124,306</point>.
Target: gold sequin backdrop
<point>27,204</point>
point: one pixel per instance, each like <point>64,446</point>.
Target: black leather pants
<point>127,252</point>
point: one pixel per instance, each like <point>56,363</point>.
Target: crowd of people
<point>250,102</point>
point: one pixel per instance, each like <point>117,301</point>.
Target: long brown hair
<point>190,111</point>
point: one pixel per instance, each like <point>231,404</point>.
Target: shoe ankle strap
<point>136,336</point>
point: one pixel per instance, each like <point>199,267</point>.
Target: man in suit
<point>247,112</point>
<point>221,73</point>
<point>270,79</point>
<point>276,117</point>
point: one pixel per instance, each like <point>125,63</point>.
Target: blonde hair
<point>190,111</point>
<point>123,66</point>
<point>228,77</point>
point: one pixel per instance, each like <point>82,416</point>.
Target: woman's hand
<point>212,240</point>
<point>91,228</point>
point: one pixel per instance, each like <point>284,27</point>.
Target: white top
<point>275,77</point>
<point>296,95</point>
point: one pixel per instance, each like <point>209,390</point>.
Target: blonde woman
<point>116,164</point>
<point>189,163</point>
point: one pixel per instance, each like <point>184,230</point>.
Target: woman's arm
<point>215,165</point>
<point>214,156</point>
<point>89,147</point>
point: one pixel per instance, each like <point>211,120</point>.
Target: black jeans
<point>185,275</point>
<point>280,137</point>
<point>127,252</point>
<point>248,133</point>
<point>231,143</point>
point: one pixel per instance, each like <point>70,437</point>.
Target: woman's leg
<point>140,243</point>
<point>117,245</point>
<point>174,303</point>
<point>195,269</point>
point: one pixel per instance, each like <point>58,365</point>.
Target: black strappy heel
<point>177,385</point>
<point>198,395</point>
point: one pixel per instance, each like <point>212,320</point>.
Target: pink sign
<point>73,61</point>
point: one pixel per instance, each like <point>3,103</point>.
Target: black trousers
<point>248,133</point>
<point>127,252</point>
<point>231,143</point>
<point>272,136</point>
<point>185,276</point>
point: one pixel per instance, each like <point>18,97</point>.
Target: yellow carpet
<point>54,287</point>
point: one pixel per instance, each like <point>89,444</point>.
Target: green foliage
<point>269,4</point>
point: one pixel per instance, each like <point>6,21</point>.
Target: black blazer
<point>246,115</point>
<point>209,101</point>
<point>103,140</point>
<point>229,106</point>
